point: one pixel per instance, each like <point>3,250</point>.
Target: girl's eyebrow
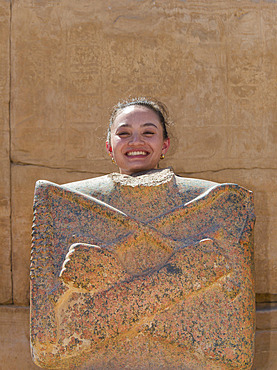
<point>145,124</point>
<point>149,124</point>
<point>122,126</point>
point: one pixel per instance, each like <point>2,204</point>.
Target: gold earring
<point>113,160</point>
<point>162,156</point>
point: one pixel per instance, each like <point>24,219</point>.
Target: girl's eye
<point>149,133</point>
<point>123,134</point>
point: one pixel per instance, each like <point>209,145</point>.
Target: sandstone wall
<point>63,64</point>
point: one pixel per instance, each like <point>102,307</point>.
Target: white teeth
<point>137,153</point>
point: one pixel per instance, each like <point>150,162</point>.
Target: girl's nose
<point>136,139</point>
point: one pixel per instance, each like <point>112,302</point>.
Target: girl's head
<point>137,136</point>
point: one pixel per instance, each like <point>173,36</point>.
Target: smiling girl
<point>137,135</point>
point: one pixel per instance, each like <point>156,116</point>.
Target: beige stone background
<point>64,64</point>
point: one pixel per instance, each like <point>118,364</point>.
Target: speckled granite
<point>147,272</point>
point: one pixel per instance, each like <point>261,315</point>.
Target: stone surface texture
<point>15,338</point>
<point>5,209</point>
<point>266,336</point>
<point>152,271</point>
<point>63,64</point>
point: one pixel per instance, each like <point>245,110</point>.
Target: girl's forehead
<point>132,111</point>
<point>135,108</point>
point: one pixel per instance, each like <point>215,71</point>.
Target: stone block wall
<point>64,64</point>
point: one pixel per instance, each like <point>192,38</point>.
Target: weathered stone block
<point>266,317</point>
<point>266,354</point>
<point>15,339</point>
<point>153,271</point>
<point>5,227</point>
<point>212,73</point>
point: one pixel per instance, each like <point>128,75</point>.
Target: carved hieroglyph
<point>146,272</point>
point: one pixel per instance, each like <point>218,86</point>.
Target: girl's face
<point>137,140</point>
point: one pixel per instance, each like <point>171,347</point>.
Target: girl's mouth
<point>136,153</point>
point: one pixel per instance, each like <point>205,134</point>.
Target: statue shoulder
<point>92,186</point>
<point>193,186</point>
<point>197,188</point>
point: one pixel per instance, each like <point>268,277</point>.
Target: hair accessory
<point>110,154</point>
<point>162,156</point>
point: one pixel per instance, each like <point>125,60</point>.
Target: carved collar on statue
<point>146,178</point>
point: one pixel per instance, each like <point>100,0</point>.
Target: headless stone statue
<point>152,271</point>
